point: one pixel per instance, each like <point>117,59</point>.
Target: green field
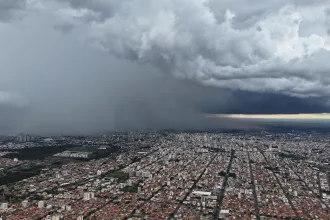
<point>117,175</point>
<point>130,189</point>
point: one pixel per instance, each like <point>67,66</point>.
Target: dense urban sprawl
<point>177,176</point>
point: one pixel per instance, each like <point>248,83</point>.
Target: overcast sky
<point>82,66</point>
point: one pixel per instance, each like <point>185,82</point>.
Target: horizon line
<point>273,116</point>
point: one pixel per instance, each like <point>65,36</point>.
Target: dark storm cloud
<point>8,7</point>
<point>168,104</point>
<point>64,28</point>
<point>238,56</point>
<point>11,117</point>
<point>267,103</point>
<point>71,88</point>
<point>272,46</point>
<point>102,8</point>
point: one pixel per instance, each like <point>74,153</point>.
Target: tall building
<point>87,196</point>
<point>24,138</point>
<point>25,203</point>
<point>41,204</point>
<point>4,205</point>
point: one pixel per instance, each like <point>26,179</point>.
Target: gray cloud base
<point>257,46</point>
<point>9,7</point>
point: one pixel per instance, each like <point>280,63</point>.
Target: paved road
<point>319,184</point>
<point>280,184</point>
<point>221,194</point>
<point>328,175</point>
<point>306,185</point>
<point>191,188</point>
<point>81,182</point>
<point>256,203</point>
<point>158,159</point>
<point>153,194</point>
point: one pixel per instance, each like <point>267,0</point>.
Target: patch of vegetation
<point>52,191</point>
<point>233,175</point>
<point>276,169</point>
<point>325,191</point>
<point>291,156</point>
<point>98,153</point>
<point>21,174</point>
<point>222,173</point>
<point>36,153</point>
<point>118,175</point>
<point>12,177</point>
<point>130,189</point>
<point>16,200</point>
<point>175,160</point>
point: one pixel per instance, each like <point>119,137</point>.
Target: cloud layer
<point>15,100</point>
<point>278,46</point>
<point>7,8</point>
<point>234,56</point>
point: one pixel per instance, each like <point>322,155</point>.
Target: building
<point>4,205</point>
<point>24,138</point>
<point>87,196</point>
<point>25,204</point>
<point>76,154</point>
<point>41,204</point>
<point>201,193</point>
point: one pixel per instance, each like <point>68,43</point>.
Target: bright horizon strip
<point>272,116</point>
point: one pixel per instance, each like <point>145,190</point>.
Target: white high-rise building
<point>41,204</point>
<point>295,193</point>
<point>80,218</point>
<point>55,217</point>
<point>25,203</point>
<point>4,205</point>
<point>87,196</point>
